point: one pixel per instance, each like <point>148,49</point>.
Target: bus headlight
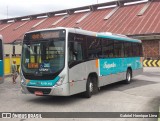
<point>60,81</point>
<point>23,81</point>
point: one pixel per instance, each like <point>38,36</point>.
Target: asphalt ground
<point>141,95</point>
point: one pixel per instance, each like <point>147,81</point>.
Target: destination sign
<point>33,65</point>
<point>45,35</point>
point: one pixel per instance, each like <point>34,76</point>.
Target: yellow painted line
<point>154,63</point>
<point>149,63</point>
<point>144,63</point>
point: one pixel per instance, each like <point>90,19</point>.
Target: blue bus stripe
<point>1,70</point>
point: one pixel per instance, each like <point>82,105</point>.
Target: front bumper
<point>62,90</point>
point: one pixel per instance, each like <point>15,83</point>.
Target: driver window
<point>75,51</point>
<point>78,49</point>
<point>71,51</point>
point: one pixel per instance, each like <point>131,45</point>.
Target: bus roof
<point>73,30</point>
<point>96,34</point>
<point>117,37</point>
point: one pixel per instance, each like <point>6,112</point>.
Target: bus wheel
<point>89,88</point>
<point>95,85</point>
<point>128,76</point>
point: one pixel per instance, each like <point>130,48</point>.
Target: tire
<point>95,85</point>
<point>89,88</point>
<point>128,77</point>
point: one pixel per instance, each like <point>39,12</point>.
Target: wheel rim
<point>129,76</point>
<point>91,87</point>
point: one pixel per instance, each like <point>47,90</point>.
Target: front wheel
<point>128,76</point>
<point>89,88</point>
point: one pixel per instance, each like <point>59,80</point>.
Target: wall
<point>151,49</point>
<point>8,49</point>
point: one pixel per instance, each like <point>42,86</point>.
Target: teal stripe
<point>117,65</point>
<point>43,83</point>
<point>118,38</point>
<point>1,68</point>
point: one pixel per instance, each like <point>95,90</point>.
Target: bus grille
<point>45,91</point>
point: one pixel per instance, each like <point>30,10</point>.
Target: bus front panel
<point>43,63</point>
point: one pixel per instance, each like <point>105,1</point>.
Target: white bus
<point>1,61</point>
<point>67,61</point>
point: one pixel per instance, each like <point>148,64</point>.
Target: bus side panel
<point>105,80</point>
<point>111,70</point>
<point>77,78</point>
<point>135,64</point>
<point>114,69</point>
<point>111,66</point>
<point>137,72</point>
<point>79,74</point>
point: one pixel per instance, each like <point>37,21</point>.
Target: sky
<point>16,8</point>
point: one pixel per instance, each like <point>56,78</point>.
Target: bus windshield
<point>43,58</point>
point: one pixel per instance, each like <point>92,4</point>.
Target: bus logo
<point>108,66</point>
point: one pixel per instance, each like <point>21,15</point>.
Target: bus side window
<point>108,48</point>
<point>75,51</point>
<point>118,49</point>
<point>94,47</point>
<point>71,51</point>
<point>128,49</point>
<point>78,51</point>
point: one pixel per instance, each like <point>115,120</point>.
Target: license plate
<point>38,93</point>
